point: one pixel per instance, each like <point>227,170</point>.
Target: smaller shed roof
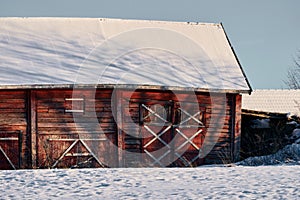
<point>274,101</point>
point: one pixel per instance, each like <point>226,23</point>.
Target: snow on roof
<point>275,101</point>
<point>39,51</point>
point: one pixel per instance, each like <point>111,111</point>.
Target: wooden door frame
<point>32,127</point>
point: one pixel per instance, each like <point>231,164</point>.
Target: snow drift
<point>290,154</point>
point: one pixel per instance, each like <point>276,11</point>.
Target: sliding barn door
<point>156,120</point>
<point>172,133</point>
<point>189,133</point>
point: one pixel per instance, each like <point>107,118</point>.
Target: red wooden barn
<point>82,92</point>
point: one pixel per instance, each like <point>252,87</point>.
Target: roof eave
<point>114,86</point>
<point>264,114</point>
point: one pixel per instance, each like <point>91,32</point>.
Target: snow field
<point>213,182</point>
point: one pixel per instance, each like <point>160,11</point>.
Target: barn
<point>94,92</point>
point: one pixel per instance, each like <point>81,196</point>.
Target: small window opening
<point>74,105</point>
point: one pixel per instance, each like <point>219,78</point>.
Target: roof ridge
<point>120,19</point>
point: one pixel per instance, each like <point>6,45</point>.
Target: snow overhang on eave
<point>113,86</point>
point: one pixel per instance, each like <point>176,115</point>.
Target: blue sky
<point>264,33</point>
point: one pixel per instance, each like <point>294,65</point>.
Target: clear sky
<point>264,33</point>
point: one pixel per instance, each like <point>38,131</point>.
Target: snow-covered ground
<point>213,182</point>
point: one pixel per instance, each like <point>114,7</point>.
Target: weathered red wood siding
<point>49,127</point>
<point>237,127</point>
<point>13,119</point>
<point>54,124</point>
<point>227,148</point>
<point>227,136</point>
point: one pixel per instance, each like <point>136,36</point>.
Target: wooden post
<point>33,128</point>
<point>237,126</point>
<point>118,101</point>
<point>20,135</point>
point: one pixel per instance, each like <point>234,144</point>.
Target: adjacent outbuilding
<point>269,121</point>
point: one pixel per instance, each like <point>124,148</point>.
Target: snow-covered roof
<point>274,101</point>
<point>51,51</point>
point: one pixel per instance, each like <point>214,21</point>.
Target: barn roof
<point>273,101</point>
<point>41,52</point>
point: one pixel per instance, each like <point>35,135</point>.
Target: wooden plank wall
<point>225,148</point>
<point>48,125</point>
<point>237,127</point>
<point>55,123</point>
<point>13,118</point>
<point>228,143</point>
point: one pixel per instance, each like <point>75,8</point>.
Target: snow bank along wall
<point>107,93</point>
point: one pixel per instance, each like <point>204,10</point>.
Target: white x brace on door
<point>154,116</point>
<point>189,122</point>
<point>11,137</point>
<point>67,153</point>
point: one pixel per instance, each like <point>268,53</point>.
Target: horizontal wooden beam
<point>263,114</point>
<point>112,86</point>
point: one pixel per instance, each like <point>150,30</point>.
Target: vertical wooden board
<point>33,128</point>
<point>121,135</point>
<point>237,126</point>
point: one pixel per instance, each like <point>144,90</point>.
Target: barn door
<point>189,130</point>
<point>10,149</point>
<point>74,132</point>
<point>172,133</point>
<point>156,128</point>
